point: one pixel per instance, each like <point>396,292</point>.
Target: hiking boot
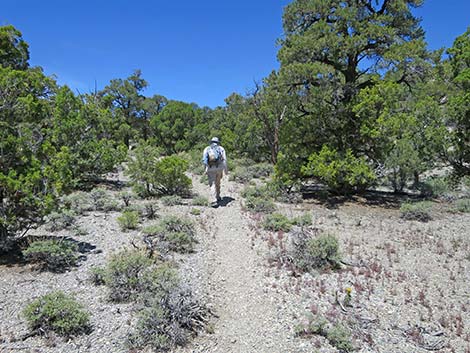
<point>219,199</point>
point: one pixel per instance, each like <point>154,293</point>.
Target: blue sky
<point>194,51</point>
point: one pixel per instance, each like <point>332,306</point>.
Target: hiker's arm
<point>225,162</point>
<point>204,159</point>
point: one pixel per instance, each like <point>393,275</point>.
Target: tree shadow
<point>384,199</point>
<point>14,256</point>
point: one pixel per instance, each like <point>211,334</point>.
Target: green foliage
<point>243,174</point>
<point>200,201</point>
<point>303,221</point>
<point>436,187</point>
<point>403,129</point>
<point>14,51</point>
<point>174,126</point>
<point>257,199</point>
<point>124,273</point>
<point>153,229</point>
<point>129,108</point>
<point>342,173</point>
<point>171,234</point>
<point>178,234</point>
<point>194,159</point>
<point>286,193</point>
<point>51,140</point>
<point>171,200</point>
<point>258,204</point>
<point>151,175</point>
<point>56,255</point>
<point>170,176</point>
<point>101,200</point>
<point>98,275</point>
<point>141,168</point>
<point>333,55</point>
<point>419,211</point>
<point>276,222</point>
<point>462,205</point>
<point>315,326</point>
<point>195,211</point>
<point>57,312</point>
<point>340,337</point>
<point>78,202</point>
<point>457,151</point>
<point>60,220</point>
<point>318,252</point>
<point>128,220</point>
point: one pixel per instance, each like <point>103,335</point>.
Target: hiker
<point>215,162</point>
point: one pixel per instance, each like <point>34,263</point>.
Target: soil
<point>409,280</point>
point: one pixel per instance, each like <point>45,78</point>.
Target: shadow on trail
<point>385,199</point>
<point>225,201</point>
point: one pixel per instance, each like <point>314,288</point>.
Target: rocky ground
<point>408,281</point>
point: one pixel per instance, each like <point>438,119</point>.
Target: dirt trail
<point>249,319</point>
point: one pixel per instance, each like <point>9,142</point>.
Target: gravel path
<point>250,315</point>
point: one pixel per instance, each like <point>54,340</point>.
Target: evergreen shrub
<point>56,255</point>
<point>57,312</point>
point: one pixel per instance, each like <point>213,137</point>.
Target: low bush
<point>258,204</point>
<point>284,194</point>
<point>315,252</point>
<point>56,221</point>
<point>200,201</point>
<point>98,276</point>
<point>178,235</point>
<point>102,201</point>
<point>418,211</point>
<point>340,337</point>
<point>56,255</point>
<point>128,220</point>
<point>276,222</point>
<point>157,281</point>
<point>123,274</point>
<point>79,201</point>
<point>57,312</point>
<point>337,335</point>
<point>131,275</point>
<point>150,210</point>
<point>303,221</point>
<point>316,326</point>
<point>126,197</point>
<point>260,191</point>
<point>171,234</point>
<point>168,321</point>
<point>195,211</point>
<point>171,200</point>
<point>261,170</point>
<point>462,205</point>
<point>436,187</point>
<point>244,173</point>
<point>78,231</point>
<point>153,229</point>
<point>241,175</point>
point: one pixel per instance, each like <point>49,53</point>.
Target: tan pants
<point>215,176</point>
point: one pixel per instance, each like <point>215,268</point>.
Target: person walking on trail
<point>215,161</point>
